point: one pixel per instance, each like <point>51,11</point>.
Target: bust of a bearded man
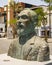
<point>28,46</point>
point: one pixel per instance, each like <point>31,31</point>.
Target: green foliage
<point>14,6</point>
<point>13,21</point>
<point>39,11</point>
<point>48,1</point>
<point>40,14</point>
<point>50,7</point>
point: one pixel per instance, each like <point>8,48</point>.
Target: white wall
<point>2,19</point>
<point>2,25</point>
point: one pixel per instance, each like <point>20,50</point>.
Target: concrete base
<point>7,60</point>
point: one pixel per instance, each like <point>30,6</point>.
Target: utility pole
<point>50,24</point>
<point>8,24</point>
<point>9,29</point>
<point>9,2</point>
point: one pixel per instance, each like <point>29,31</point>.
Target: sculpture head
<point>27,20</point>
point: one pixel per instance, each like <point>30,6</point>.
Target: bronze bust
<point>28,46</point>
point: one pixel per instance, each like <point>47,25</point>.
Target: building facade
<point>48,25</point>
<point>20,6</point>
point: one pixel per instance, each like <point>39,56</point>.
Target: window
<point>1,29</point>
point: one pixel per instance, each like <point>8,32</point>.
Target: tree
<point>41,18</point>
<point>13,5</point>
<point>41,14</point>
<point>13,25</point>
<point>13,20</point>
<point>17,7</point>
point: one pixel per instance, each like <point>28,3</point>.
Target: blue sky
<point>36,2</point>
<point>3,2</point>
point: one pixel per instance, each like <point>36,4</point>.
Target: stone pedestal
<point>7,60</point>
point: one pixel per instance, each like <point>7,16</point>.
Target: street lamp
<point>50,34</point>
<point>45,29</point>
<point>45,21</point>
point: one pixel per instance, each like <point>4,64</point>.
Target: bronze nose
<point>19,22</point>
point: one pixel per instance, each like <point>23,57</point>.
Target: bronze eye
<point>24,17</point>
<point>18,17</point>
<point>31,43</point>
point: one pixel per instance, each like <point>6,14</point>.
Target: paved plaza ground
<point>5,42</point>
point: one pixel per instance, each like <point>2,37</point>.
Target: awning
<point>34,2</point>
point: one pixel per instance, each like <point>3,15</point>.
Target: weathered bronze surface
<point>28,46</point>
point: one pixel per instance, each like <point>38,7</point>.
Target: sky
<point>36,2</point>
<point>3,2</point>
